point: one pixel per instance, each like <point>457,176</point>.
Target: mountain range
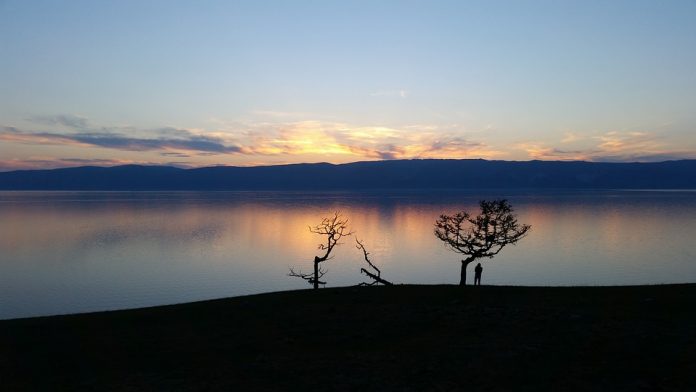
<point>394,174</point>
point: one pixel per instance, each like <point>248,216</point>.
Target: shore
<point>370,338</point>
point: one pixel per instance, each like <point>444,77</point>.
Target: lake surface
<point>67,252</point>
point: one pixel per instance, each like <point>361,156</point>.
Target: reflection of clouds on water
<point>107,227</point>
<point>120,236</point>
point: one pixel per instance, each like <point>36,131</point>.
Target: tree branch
<point>309,277</point>
<point>376,278</point>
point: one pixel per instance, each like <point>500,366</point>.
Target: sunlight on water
<point>65,252</point>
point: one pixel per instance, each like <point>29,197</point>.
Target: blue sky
<point>249,83</point>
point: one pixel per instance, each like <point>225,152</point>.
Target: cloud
<point>360,142</point>
<point>628,141</point>
<point>174,139</point>
<point>611,146</point>
<point>390,93</point>
<point>299,141</point>
<point>84,161</point>
<point>9,130</point>
<point>175,154</point>
<point>571,137</point>
<point>656,157</point>
<point>191,143</point>
<point>538,150</point>
<point>314,140</point>
<point>389,152</point>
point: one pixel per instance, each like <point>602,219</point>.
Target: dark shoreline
<point>386,174</point>
<point>376,338</point>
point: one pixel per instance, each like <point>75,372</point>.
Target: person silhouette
<point>477,276</point>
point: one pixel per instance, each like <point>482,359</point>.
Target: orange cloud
<point>342,140</point>
<point>298,141</point>
<point>610,146</point>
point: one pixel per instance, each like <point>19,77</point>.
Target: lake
<point>68,252</point>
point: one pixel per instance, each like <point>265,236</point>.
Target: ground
<point>370,338</point>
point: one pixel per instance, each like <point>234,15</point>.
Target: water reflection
<point>68,252</point>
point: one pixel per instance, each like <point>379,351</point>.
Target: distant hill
<point>397,174</point>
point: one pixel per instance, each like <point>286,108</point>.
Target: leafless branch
<point>376,278</point>
<point>366,254</point>
<point>333,228</point>
<point>309,277</point>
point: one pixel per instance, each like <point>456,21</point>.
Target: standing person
<point>477,276</point>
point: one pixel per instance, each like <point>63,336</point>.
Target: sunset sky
<point>266,82</point>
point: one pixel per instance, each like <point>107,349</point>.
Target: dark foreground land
<point>376,338</point>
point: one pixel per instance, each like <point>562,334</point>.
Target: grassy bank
<point>375,338</point>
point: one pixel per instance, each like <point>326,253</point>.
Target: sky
<point>273,82</point>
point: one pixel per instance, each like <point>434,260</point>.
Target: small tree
<point>333,228</point>
<point>482,236</point>
<point>375,276</point>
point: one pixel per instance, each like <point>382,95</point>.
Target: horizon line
<point>183,167</point>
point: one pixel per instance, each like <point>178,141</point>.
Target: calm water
<point>65,252</point>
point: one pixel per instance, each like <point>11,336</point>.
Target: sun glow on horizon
<point>342,82</point>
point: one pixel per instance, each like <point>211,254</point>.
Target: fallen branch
<point>375,277</point>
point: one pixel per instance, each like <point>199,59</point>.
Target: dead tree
<point>333,228</point>
<point>376,277</point>
<point>484,235</point>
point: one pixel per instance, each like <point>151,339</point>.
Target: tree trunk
<point>465,263</point>
<point>316,273</point>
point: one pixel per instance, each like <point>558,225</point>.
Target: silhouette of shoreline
<point>395,174</point>
<point>369,338</point>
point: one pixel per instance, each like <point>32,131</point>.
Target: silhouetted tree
<point>333,228</point>
<point>376,278</point>
<point>484,235</point>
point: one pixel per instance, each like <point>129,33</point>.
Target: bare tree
<point>484,235</point>
<point>376,277</point>
<point>333,228</point>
